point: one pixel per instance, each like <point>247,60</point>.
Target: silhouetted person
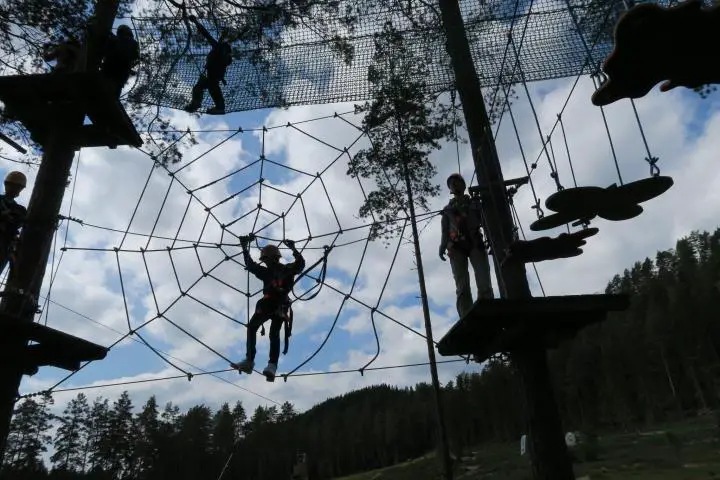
<point>216,63</point>
<point>462,239</point>
<point>278,280</point>
<point>12,217</point>
<point>121,55</point>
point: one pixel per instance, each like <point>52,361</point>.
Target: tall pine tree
<point>72,435</point>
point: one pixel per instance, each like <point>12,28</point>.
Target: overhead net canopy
<point>511,41</point>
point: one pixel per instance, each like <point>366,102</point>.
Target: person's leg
<point>258,318</point>
<point>481,267</point>
<point>459,266</point>
<point>255,322</point>
<point>198,92</point>
<point>213,87</point>
<point>275,326</point>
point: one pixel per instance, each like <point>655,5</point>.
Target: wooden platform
<point>501,325</point>
<point>51,348</point>
<point>32,99</point>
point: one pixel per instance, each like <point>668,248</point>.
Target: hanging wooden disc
<point>584,233</point>
<point>556,220</point>
<point>582,200</point>
<point>572,253</point>
<point>643,190</point>
<point>618,212</point>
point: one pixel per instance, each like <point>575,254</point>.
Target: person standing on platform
<point>121,55</point>
<point>464,243</point>
<point>12,217</point>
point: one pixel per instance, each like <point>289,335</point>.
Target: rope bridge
<point>302,65</point>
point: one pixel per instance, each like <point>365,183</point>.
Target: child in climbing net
<point>278,280</point>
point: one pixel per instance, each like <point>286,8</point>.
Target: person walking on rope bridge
<point>12,216</point>
<point>121,55</point>
<point>216,63</point>
<point>278,280</point>
<point>463,240</point>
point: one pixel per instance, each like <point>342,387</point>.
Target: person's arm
<point>444,235</point>
<point>203,31</point>
<point>299,264</point>
<point>250,264</point>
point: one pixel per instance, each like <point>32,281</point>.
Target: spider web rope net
<point>181,274</point>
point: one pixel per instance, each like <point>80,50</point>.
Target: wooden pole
<point>19,304</point>
<point>550,459</point>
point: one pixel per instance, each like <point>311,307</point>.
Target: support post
<point>444,445</point>
<point>550,459</point>
<point>19,304</point>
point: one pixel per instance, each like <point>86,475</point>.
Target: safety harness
<point>284,309</point>
<point>459,234</point>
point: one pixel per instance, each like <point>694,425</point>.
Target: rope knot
<point>538,209</point>
<point>654,169</point>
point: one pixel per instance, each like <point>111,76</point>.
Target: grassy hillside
<point>688,450</point>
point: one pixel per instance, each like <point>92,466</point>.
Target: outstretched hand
<point>442,253</point>
<point>290,244</point>
<point>245,239</point>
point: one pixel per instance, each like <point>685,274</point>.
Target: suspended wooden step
<point>616,203</point>
<point>513,183</point>
<point>51,348</point>
<point>565,245</point>
<point>675,44</point>
<point>32,99</point>
<point>502,325</point>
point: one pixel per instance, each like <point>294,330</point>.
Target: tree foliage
<point>404,126</point>
<point>27,26</point>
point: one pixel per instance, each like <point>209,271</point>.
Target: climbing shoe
<point>269,371</point>
<point>246,366</point>
<point>216,111</point>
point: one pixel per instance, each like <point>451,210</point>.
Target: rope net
<point>302,64</point>
<point>180,269</point>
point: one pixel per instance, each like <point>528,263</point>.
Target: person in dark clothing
<point>66,55</point>
<point>463,240</point>
<point>121,55</point>
<point>12,217</point>
<point>278,280</point>
<point>216,63</point>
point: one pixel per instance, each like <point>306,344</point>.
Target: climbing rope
<point>609,137</point>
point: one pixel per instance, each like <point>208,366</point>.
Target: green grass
<point>688,450</point>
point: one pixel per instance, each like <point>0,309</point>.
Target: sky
<point>98,294</point>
